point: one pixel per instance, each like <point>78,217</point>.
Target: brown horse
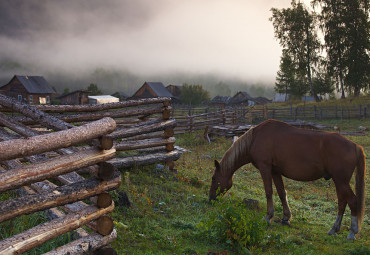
<point>277,149</point>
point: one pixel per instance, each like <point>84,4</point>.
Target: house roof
<point>261,100</point>
<point>102,97</point>
<point>240,97</point>
<point>74,92</point>
<point>35,84</point>
<point>159,89</point>
<point>220,100</point>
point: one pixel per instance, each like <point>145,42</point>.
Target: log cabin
<point>29,89</point>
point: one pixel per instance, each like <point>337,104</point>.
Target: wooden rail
<point>52,142</point>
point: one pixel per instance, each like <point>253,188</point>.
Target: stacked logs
<point>35,161</point>
<point>144,133</point>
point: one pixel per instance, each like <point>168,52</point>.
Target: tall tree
<point>295,29</point>
<point>93,88</point>
<point>357,40</point>
<point>332,24</point>
<point>193,94</point>
<point>345,24</point>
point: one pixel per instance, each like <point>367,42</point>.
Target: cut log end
<point>105,225</point>
<point>106,171</point>
<point>106,143</point>
<point>168,132</point>
<point>166,114</point>
<point>104,200</point>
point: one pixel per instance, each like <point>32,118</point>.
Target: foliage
<point>93,88</point>
<point>234,224</point>
<point>193,94</point>
<point>295,29</point>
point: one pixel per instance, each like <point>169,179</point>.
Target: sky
<point>230,38</point>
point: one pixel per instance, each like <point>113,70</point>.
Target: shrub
<point>234,224</point>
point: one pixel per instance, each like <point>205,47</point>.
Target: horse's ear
<point>217,165</point>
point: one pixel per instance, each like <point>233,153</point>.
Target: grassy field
<point>170,210</point>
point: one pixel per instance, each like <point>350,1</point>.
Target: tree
<point>345,25</point>
<point>193,94</point>
<point>93,88</point>
<point>296,31</point>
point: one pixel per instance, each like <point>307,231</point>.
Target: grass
<point>168,207</point>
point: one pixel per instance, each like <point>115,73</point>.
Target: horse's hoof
<point>285,222</point>
<point>332,232</point>
<point>351,236</point>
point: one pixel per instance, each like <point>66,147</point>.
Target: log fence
<point>52,144</point>
<point>246,115</point>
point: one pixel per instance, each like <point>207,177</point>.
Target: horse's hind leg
<point>345,192</point>
<point>279,184</point>
<point>342,202</point>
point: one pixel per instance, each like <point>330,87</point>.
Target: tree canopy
<point>193,94</point>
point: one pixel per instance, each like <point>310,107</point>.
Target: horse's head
<point>220,182</point>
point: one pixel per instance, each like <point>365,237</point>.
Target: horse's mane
<point>233,157</point>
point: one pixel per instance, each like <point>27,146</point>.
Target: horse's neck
<point>235,156</point>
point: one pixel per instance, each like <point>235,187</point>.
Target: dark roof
<point>159,89</point>
<point>261,100</point>
<point>120,94</point>
<point>220,100</point>
<point>35,84</point>
<point>240,97</point>
<point>74,92</point>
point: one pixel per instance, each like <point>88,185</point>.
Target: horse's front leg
<point>267,182</point>
<point>279,184</point>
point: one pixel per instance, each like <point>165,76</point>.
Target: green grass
<point>167,208</point>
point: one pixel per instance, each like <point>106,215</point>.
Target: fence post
<point>342,113</point>
<point>314,114</point>
<point>265,112</point>
<point>365,112</point>
<point>223,117</point>
<point>291,111</point>
<point>190,123</point>
<point>295,113</point>
<point>360,110</point>
<point>250,117</point>
<point>235,115</point>
<point>320,114</point>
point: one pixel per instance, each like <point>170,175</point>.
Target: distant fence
<point>188,122</point>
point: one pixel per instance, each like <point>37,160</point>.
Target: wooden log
<point>168,132</point>
<point>53,167</point>
<point>38,144</point>
<point>147,143</point>
<point>145,160</point>
<point>33,113</point>
<point>152,135</point>
<point>16,126</point>
<point>103,200</point>
<point>59,196</point>
<point>105,225</point>
<point>166,113</point>
<point>84,245</point>
<point>123,133</point>
<point>170,147</point>
<point>103,107</point>
<point>35,236</point>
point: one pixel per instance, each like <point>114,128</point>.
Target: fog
<point>69,41</point>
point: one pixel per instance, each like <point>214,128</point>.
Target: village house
<point>75,98</point>
<point>242,99</point>
<point>29,89</point>
<point>220,101</point>
<point>103,99</point>
<point>152,89</point>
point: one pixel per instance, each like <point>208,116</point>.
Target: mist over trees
<point>342,59</point>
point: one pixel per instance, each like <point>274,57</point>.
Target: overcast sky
<point>232,38</point>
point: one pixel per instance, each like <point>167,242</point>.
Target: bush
<point>234,224</point>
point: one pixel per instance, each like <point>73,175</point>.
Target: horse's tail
<point>360,184</point>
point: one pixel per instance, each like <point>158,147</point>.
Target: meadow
<point>171,214</point>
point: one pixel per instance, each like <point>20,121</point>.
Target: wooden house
<point>75,98</point>
<point>152,89</point>
<point>220,101</point>
<point>29,89</point>
<point>121,95</point>
<point>103,99</point>
<point>242,99</point>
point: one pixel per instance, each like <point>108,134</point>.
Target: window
<point>42,100</point>
<point>20,98</point>
<point>30,99</point>
<point>47,99</point>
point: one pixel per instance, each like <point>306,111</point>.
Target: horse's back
<point>299,153</point>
